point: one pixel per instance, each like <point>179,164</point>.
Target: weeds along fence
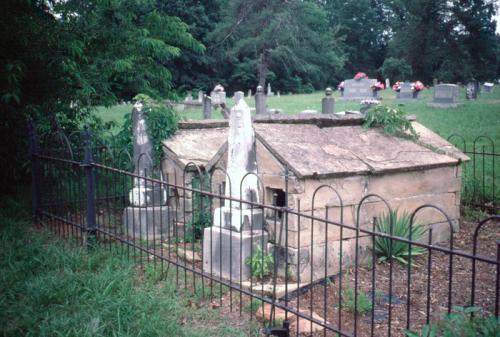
<point>318,275</point>
<point>480,188</point>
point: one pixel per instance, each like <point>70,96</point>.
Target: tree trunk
<point>263,69</point>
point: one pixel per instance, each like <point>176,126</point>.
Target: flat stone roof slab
<point>195,145</point>
<point>311,149</point>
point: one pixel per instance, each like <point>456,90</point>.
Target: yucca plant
<point>399,251</point>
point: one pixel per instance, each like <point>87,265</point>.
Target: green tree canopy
<point>61,58</point>
<point>290,38</point>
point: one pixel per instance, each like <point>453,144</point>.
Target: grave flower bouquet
<point>367,104</point>
<point>340,87</point>
<point>360,75</point>
<point>417,86</point>
<point>378,86</point>
<point>396,86</point>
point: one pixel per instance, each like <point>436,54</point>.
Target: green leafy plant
<point>386,248</point>
<point>361,305</point>
<point>253,306</point>
<point>161,122</point>
<point>459,323</point>
<point>364,302</point>
<point>202,215</point>
<point>392,120</point>
<point>194,229</point>
<point>260,263</point>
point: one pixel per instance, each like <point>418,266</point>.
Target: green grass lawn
<point>50,287</point>
<point>474,118</point>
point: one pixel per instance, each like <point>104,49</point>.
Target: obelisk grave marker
<point>148,216</point>
<point>238,226</point>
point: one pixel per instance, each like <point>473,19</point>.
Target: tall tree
<point>452,41</point>
<point>61,58</point>
<point>290,36</point>
<point>475,30</point>
<point>365,29</point>
<point>193,70</point>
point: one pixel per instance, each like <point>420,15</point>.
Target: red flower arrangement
<point>378,86</point>
<point>340,86</point>
<point>396,86</point>
<point>360,76</point>
<point>417,86</point>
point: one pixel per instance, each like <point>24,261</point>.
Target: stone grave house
<point>325,150</point>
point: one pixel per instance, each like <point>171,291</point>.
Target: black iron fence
<point>307,271</point>
<point>480,188</point>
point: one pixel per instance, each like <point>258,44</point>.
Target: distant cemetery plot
<point>405,91</point>
<point>445,96</point>
<point>488,87</point>
<point>358,90</point>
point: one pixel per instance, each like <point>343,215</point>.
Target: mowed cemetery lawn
<point>53,287</point>
<point>473,119</point>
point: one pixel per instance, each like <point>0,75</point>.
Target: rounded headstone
<point>237,96</point>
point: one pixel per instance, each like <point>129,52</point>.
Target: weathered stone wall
<point>402,190</point>
<point>310,242</point>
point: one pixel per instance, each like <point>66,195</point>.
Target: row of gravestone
<point>445,95</point>
<point>218,94</point>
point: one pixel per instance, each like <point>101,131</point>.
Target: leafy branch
<point>392,120</point>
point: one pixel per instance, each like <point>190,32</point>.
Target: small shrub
<point>202,216</point>
<point>460,324</point>
<point>364,303</point>
<point>194,229</point>
<point>253,306</point>
<point>161,122</point>
<point>392,120</point>
<point>399,251</point>
<point>260,264</point>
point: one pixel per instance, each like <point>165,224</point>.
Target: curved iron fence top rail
<point>366,231</point>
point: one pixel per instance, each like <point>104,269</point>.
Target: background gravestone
<point>207,107</point>
<point>488,87</point>
<point>471,90</point>
<point>260,101</point>
<point>445,96</point>
<point>328,102</point>
<point>359,89</point>
<point>218,95</point>
<point>269,91</point>
<point>406,92</point>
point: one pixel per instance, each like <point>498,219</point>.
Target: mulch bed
<point>439,280</point>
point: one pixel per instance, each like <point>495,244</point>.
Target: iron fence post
<point>35,169</point>
<point>88,164</point>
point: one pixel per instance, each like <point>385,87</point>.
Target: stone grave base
<point>444,105</point>
<point>343,98</point>
<point>314,257</point>
<point>148,223</point>
<point>142,196</point>
<point>250,219</point>
<point>225,251</point>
